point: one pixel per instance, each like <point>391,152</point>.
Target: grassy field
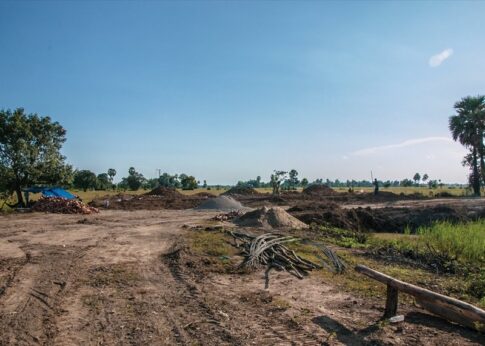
<point>464,243</point>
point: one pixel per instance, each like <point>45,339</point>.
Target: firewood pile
<point>269,250</point>
<point>63,206</point>
<point>228,216</point>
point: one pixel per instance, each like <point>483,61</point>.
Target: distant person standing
<point>376,187</point>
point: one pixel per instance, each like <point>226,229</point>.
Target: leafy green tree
<point>205,184</point>
<point>84,179</point>
<point>30,151</point>
<point>468,127</point>
<point>134,180</point>
<point>293,179</point>
<point>276,179</point>
<point>406,182</point>
<point>417,178</point>
<point>304,182</point>
<point>103,182</point>
<point>188,182</point>
<point>111,174</point>
<point>150,184</point>
<point>425,177</point>
<point>167,180</point>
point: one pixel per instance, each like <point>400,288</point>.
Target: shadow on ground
<point>416,319</point>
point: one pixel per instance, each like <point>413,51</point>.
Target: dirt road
<point>114,278</point>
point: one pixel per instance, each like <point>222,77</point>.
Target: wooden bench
<point>446,307</point>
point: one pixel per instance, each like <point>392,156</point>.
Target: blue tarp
<point>51,192</point>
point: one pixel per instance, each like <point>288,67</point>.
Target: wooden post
<point>449,308</point>
<point>391,302</point>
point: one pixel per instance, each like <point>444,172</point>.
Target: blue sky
<point>230,90</point>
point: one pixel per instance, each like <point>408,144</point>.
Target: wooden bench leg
<point>391,302</point>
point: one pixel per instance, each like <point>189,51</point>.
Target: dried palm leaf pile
<point>269,250</point>
<point>63,206</point>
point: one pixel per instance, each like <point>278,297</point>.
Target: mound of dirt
<point>379,219</point>
<point>241,190</point>
<point>62,206</point>
<point>165,192</point>
<point>319,189</point>
<point>265,217</point>
<point>221,203</point>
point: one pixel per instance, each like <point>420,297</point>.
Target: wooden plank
<point>449,308</point>
<point>391,301</point>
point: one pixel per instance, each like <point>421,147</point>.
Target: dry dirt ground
<point>118,277</point>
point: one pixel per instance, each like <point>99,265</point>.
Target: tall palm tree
<point>468,127</point>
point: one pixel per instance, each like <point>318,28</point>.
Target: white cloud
<point>437,60</point>
<point>407,143</point>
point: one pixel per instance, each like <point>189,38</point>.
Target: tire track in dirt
<point>196,307</point>
<point>32,301</point>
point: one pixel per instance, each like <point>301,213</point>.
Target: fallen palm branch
<point>269,250</point>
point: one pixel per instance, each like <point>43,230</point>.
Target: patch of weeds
<point>215,249</point>
<point>211,243</point>
<point>342,237</point>
<point>306,251</point>
<point>476,286</point>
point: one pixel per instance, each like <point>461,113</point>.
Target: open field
<point>89,195</point>
<point>149,269</point>
<point>145,277</point>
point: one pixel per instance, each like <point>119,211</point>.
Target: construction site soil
<point>318,204</point>
<point>386,219</point>
<point>129,278</point>
<point>241,190</point>
<point>270,218</point>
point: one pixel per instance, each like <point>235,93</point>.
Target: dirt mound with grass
<point>221,203</point>
<point>320,190</point>
<point>380,219</point>
<point>242,191</point>
<point>270,218</point>
<point>165,192</point>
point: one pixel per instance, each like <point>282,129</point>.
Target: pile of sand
<point>265,217</point>
<point>221,203</point>
<point>319,189</point>
<point>241,190</point>
<point>165,192</point>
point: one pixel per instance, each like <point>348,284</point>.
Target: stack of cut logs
<point>268,250</point>
<point>63,206</point>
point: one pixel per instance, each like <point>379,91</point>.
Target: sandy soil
<point>118,278</point>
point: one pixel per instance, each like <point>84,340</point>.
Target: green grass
<point>464,242</point>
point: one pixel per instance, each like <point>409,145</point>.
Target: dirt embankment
<point>387,219</point>
<point>158,198</point>
<point>241,191</point>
